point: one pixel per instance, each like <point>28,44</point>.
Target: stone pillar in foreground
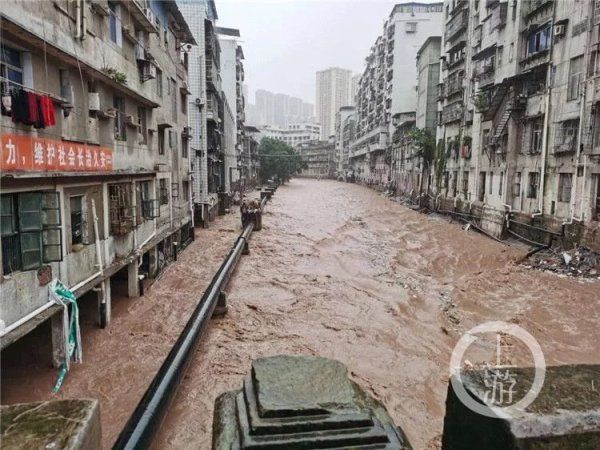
<point>58,424</point>
<point>565,415</point>
<point>293,402</point>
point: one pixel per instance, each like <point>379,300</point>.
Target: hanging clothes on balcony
<point>47,114</point>
<point>20,106</point>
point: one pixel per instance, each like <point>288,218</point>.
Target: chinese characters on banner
<point>27,153</point>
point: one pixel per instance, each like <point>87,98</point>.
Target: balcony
<point>456,25</point>
<point>452,112</point>
<point>487,75</point>
<point>212,75</point>
<point>499,15</point>
<point>532,7</point>
<point>455,62</point>
<point>454,85</point>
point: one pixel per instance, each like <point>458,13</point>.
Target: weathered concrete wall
<point>60,424</point>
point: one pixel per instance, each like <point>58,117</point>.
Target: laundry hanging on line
<point>30,108</point>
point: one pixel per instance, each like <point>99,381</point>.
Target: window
<point>454,183</point>
<point>77,222</point>
<point>185,187</point>
<point>566,136</point>
<point>511,51</point>
<point>184,146</point>
<point>114,23</point>
<point>533,184</point>
<point>120,208</point>
<point>159,82</point>
<point>161,141</point>
<point>30,229</point>
<point>517,185</point>
<point>163,191</point>
<point>500,184</point>
<point>143,123</point>
<point>410,27</point>
<point>183,100</point>
<point>539,40</point>
<point>536,136</point>
<point>465,183</point>
<point>565,182</point>
<point>120,127</point>
<point>11,68</point>
<point>482,176</point>
<point>446,180</point>
<point>491,186</point>
<point>575,78</point>
<point>149,205</point>
<point>166,37</point>
<point>173,94</point>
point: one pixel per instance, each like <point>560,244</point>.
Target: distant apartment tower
<point>265,107</point>
<point>342,128</point>
<point>354,88</point>
<point>333,91</point>
<point>387,88</point>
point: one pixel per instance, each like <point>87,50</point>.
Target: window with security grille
<point>565,139</point>
<point>77,219</point>
<point>163,191</point>
<point>30,229</point>
<point>121,208</point>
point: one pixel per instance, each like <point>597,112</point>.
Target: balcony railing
<point>453,85</point>
<point>499,16</point>
<point>530,7</point>
<point>457,24</point>
<point>452,112</point>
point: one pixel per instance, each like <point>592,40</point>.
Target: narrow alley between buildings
<point>338,271</point>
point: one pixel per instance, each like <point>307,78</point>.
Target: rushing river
<point>337,271</point>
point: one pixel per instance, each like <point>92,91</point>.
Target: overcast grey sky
<point>286,41</point>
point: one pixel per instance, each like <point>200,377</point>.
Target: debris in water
<point>578,262</point>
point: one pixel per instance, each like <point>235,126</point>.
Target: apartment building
<point>294,135</point>
<point>343,119</point>
<point>94,153</point>
<point>250,158</point>
<point>333,90</point>
<point>232,75</point>
<point>319,158</point>
<point>279,110</point>
<point>410,169</point>
<point>517,129</point>
<point>387,87</point>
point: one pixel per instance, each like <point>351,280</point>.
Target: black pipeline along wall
<point>145,420</point>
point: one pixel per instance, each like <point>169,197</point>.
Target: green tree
<point>278,159</point>
<point>424,142</point>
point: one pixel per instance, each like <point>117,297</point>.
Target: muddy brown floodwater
<point>337,271</point>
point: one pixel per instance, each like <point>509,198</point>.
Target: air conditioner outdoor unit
<point>131,120</point>
<point>140,52</point>
<point>94,101</point>
<point>559,30</point>
<point>110,112</point>
<point>149,71</point>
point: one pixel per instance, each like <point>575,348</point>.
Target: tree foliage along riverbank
<point>278,159</point>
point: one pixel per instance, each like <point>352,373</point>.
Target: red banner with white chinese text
<point>32,154</point>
